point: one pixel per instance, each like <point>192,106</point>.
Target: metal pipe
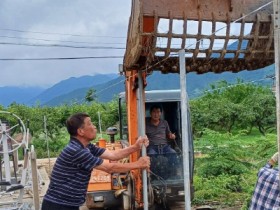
<point>276,10</point>
<point>141,132</point>
<point>185,130</point>
<point>47,139</point>
<point>99,121</point>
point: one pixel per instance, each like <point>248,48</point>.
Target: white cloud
<point>82,17</point>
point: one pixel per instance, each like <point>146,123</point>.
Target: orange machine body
<point>101,181</point>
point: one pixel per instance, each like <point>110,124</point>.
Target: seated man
<point>158,132</point>
<point>164,159</point>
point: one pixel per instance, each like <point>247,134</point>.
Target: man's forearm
<point>122,153</point>
<point>118,167</point>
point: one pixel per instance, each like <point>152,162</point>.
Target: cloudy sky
<point>33,29</point>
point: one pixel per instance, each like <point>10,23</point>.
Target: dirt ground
<point>46,163</point>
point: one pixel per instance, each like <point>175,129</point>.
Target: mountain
<point>108,86</point>
<point>20,95</point>
<point>33,95</point>
<point>105,92</point>
<point>69,85</point>
<point>196,84</point>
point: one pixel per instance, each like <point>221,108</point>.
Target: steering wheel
<point>7,132</point>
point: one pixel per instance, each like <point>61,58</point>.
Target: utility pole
<point>272,77</point>
<point>276,8</point>
<point>185,134</point>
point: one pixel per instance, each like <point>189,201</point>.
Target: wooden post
<point>35,187</point>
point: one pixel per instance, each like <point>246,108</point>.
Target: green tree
<point>227,106</point>
<point>91,95</point>
<point>260,111</point>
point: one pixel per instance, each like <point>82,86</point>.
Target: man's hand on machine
<point>142,140</point>
<point>144,162</point>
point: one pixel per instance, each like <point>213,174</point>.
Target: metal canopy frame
<point>250,51</point>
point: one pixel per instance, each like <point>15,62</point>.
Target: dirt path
<point>47,164</point>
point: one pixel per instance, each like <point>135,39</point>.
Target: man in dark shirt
<point>164,159</point>
<point>158,133</point>
<point>72,170</point>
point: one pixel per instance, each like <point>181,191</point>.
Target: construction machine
<point>165,179</point>
<point>211,36</point>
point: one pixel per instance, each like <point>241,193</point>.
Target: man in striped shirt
<point>72,170</point>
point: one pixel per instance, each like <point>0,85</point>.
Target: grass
<point>228,172</point>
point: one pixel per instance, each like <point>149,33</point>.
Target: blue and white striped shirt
<point>71,173</point>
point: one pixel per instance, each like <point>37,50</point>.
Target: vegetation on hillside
<point>227,171</point>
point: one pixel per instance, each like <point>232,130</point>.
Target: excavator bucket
<point>217,35</point>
